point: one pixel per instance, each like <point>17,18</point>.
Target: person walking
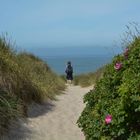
<point>69,73</point>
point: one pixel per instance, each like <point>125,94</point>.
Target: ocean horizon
<point>81,64</point>
<point>83,59</point>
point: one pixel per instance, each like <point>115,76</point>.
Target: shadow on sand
<point>19,129</point>
<point>36,110</point>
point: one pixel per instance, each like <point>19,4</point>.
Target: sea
<point>83,59</point>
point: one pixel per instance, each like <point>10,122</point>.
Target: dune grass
<point>47,82</point>
<point>24,78</point>
<point>88,79</point>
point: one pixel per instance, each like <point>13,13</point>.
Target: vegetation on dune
<point>88,79</point>
<point>47,82</point>
<point>24,78</point>
<point>113,108</point>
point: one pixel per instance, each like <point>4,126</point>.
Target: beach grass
<point>88,79</point>
<point>24,78</point>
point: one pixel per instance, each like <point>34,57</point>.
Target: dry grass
<point>24,78</point>
<point>88,79</point>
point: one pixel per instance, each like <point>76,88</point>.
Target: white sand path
<point>55,120</point>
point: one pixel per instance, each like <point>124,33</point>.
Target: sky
<point>56,23</point>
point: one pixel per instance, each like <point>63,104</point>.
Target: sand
<point>55,120</point>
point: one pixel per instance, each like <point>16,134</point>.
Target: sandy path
<point>56,120</point>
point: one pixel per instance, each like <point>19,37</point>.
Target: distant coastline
<point>81,64</point>
<point>84,59</point>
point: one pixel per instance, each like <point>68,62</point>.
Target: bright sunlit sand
<point>55,120</point>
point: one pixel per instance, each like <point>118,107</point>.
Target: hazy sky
<point>67,22</point>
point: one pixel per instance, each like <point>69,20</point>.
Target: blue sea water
<point>83,59</point>
<point>81,64</point>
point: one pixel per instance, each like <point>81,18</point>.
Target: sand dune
<point>55,120</point>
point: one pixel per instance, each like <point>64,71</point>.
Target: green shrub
<point>117,94</point>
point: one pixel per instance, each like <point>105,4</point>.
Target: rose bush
<point>113,107</point>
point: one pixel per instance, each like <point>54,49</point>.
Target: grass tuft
<point>88,79</point>
<point>24,78</point>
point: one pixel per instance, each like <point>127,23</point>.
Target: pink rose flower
<point>118,66</point>
<point>126,52</point>
<point>108,119</point>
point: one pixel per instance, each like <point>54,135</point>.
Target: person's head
<point>69,63</point>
